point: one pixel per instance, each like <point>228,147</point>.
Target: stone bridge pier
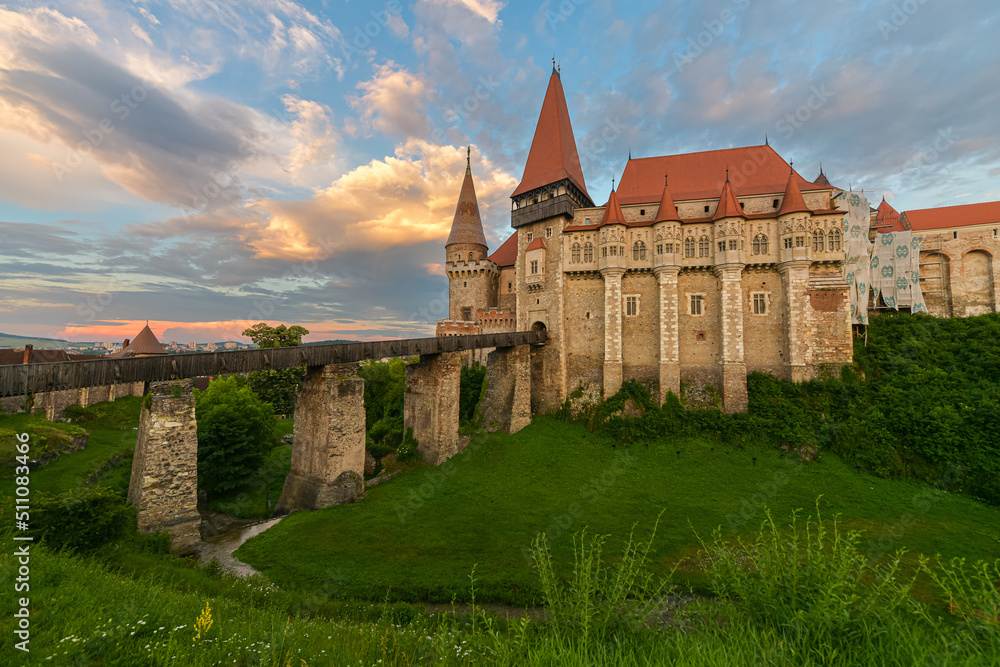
<point>328,441</point>
<point>430,405</point>
<point>164,482</point>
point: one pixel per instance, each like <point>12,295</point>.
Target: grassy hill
<point>11,340</point>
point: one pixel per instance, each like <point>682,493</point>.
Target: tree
<point>277,387</point>
<point>235,431</point>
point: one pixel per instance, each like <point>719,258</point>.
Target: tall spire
<point>553,155</point>
<point>668,210</point>
<point>467,227</point>
<point>613,211</point>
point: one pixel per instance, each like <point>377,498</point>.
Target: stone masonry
<point>507,397</point>
<point>431,405</point>
<point>164,483</point>
<point>328,442</point>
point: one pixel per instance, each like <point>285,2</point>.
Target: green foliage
<point>266,337</point>
<point>82,520</point>
<point>277,387</point>
<point>407,449</point>
<point>384,385</point>
<point>470,390</point>
<point>236,430</point>
<point>47,440</point>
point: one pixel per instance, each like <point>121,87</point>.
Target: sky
<point>206,165</point>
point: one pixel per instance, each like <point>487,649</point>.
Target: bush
<point>82,520</point>
<point>470,389</point>
<point>407,450</point>
<point>235,432</point>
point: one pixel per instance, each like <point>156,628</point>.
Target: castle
<point>698,269</point>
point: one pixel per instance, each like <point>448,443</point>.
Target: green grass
<point>418,537</point>
<point>112,432</point>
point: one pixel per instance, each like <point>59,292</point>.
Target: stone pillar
<point>612,330</point>
<point>670,366</point>
<point>328,440</point>
<point>734,368</point>
<point>164,483</point>
<point>430,404</point>
<point>795,275</point>
<point>507,394</point>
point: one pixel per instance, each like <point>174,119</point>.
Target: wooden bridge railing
<point>19,380</point>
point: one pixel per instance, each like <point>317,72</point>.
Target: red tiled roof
<point>887,216</point>
<point>506,254</point>
<point>985,213</point>
<point>467,227</point>
<point>553,155</point>
<point>667,211</point>
<point>729,206</point>
<point>754,170</point>
<point>792,202</point>
<point>613,211</point>
<point>535,245</point>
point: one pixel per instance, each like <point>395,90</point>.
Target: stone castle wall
<point>961,271</point>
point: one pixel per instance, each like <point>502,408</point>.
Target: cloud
<point>487,9</point>
<point>394,102</point>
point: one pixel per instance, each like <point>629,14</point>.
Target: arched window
<point>818,240</point>
<point>704,246</point>
<point>689,246</point>
<point>470,256</point>
<point>588,252</point>
<point>575,253</point>
<point>834,240</point>
<point>639,250</point>
<point>760,244</point>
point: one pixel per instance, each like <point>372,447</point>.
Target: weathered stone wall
<point>164,483</point>
<point>828,332</point>
<point>52,404</point>
<point>699,335</point>
<point>507,399</point>
<point>969,271</point>
<point>734,370</point>
<point>472,285</point>
<point>583,325</point>
<point>764,334</point>
<point>431,405</point>
<point>328,440</point>
<point>508,295</point>
<point>640,339</point>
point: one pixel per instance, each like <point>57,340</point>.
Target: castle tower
<point>473,279</point>
<point>730,260</point>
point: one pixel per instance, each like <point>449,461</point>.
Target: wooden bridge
<point>36,378</point>
<point>328,445</point>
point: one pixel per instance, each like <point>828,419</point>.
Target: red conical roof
<point>793,201</point>
<point>668,210</point>
<point>613,211</point>
<point>553,155</point>
<point>887,215</point>
<point>143,344</point>
<point>729,205</point>
<point>467,227</point>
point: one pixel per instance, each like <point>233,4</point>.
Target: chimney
<point>27,354</point>
<point>125,344</point>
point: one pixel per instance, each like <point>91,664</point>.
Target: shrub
<point>82,520</point>
<point>470,390</point>
<point>407,450</point>
<point>235,431</point>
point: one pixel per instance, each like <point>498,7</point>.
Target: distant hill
<point>10,340</point>
<point>330,342</point>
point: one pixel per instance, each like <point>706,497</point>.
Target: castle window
<point>659,248</point>
<point>954,235</point>
<point>759,303</point>
<point>586,221</point>
<point>800,242</point>
<point>706,208</point>
<point>722,246</point>
<point>631,306</point>
<point>548,232</point>
<point>733,244</point>
<point>689,246</point>
<point>642,211</point>
<point>510,286</point>
<point>834,239</point>
<point>704,246</point>
<point>575,253</point>
<point>614,251</point>
<point>529,237</point>
<point>588,252</point>
<point>465,284</point>
<point>818,237</point>
<point>742,206</point>
<point>466,314</point>
<point>534,266</point>
<point>699,335</point>
<point>669,248</point>
<point>774,204</point>
<point>760,245</point>
<point>697,303</point>
<point>788,243</point>
<point>470,256</point>
<point>639,250</point>
<point>604,252</point>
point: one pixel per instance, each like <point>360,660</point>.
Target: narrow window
<point>954,235</point>
<point>800,242</point>
<point>466,314</point>
<point>586,221</point>
<point>465,284</point>
<point>704,246</point>
<point>659,248</point>
<point>818,237</point>
<point>614,251</point>
<point>575,254</point>
<point>689,246</point>
<point>510,286</point>
<point>697,301</point>
<point>529,237</point>
<point>642,211</point>
<point>548,232</point>
<point>834,240</point>
<point>604,252</point>
<point>759,303</point>
<point>631,306</point>
<point>733,244</point>
<point>774,204</point>
<point>722,246</point>
<point>588,252</point>
<point>639,250</point>
<point>760,245</point>
<point>788,243</point>
<point>470,256</point>
<point>534,266</point>
<point>706,208</point>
